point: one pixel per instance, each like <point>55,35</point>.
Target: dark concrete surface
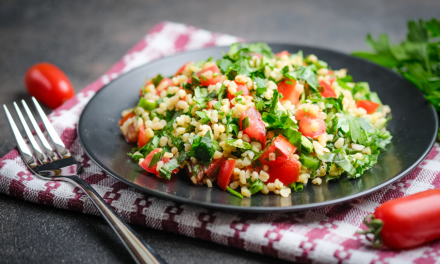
<point>86,38</point>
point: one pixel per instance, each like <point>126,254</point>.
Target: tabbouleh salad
<point>255,121</point>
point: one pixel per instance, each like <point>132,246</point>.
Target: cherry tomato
<point>182,69</point>
<point>311,126</point>
<point>408,221</point>
<point>282,53</point>
<point>224,176</point>
<point>48,84</point>
<point>286,172</point>
<point>142,137</point>
<point>125,118</point>
<point>290,91</point>
<point>328,91</point>
<point>282,149</point>
<point>369,106</point>
<point>211,103</point>
<point>148,159</point>
<point>163,85</point>
<point>256,129</point>
<point>240,87</point>
<point>214,80</point>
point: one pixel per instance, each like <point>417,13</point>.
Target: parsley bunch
<point>417,58</point>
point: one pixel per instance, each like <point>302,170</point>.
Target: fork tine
<point>26,154</point>
<point>37,151</point>
<point>59,145</point>
<point>46,145</point>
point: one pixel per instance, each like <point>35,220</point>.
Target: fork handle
<point>138,248</point>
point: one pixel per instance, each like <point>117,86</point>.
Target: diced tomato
<point>190,170</point>
<point>282,149</point>
<point>211,103</point>
<point>240,87</point>
<point>369,106</point>
<point>290,91</point>
<point>131,134</point>
<point>328,91</point>
<point>224,176</point>
<point>182,69</point>
<point>282,53</point>
<point>300,113</point>
<point>214,167</point>
<point>163,85</point>
<point>256,129</point>
<point>125,118</point>
<point>311,126</point>
<point>142,138</point>
<point>214,80</point>
<point>286,172</point>
<point>148,159</point>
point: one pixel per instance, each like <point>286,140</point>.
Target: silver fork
<point>66,169</point>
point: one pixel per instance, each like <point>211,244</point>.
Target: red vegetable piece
<point>240,87</point>
<point>148,159</point>
<point>286,172</point>
<point>369,106</point>
<point>409,221</point>
<point>142,137</point>
<point>257,129</point>
<point>214,167</point>
<point>182,69</point>
<point>214,80</point>
<point>125,118</point>
<point>48,84</point>
<point>290,91</point>
<point>224,176</point>
<point>328,91</point>
<point>282,53</point>
<point>282,149</point>
<point>311,126</point>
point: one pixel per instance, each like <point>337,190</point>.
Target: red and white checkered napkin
<point>324,235</point>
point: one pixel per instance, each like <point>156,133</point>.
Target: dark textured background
<point>85,39</point>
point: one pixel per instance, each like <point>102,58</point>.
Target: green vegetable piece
<point>306,145</point>
<point>256,186</point>
<point>309,161</point>
<point>147,105</point>
<point>245,123</point>
<point>321,64</point>
<point>156,80</point>
<point>156,158</point>
<point>296,186</point>
<point>234,192</point>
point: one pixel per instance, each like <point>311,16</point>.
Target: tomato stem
<point>374,227</point>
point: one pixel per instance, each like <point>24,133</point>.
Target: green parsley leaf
<point>245,123</point>
<point>156,158</point>
<point>156,80</point>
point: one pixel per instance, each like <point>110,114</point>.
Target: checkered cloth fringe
<point>324,235</point>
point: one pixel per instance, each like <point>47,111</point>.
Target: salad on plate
<point>254,121</point>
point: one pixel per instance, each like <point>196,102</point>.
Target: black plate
<point>414,127</point>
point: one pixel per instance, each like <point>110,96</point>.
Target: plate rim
<point>250,209</point>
